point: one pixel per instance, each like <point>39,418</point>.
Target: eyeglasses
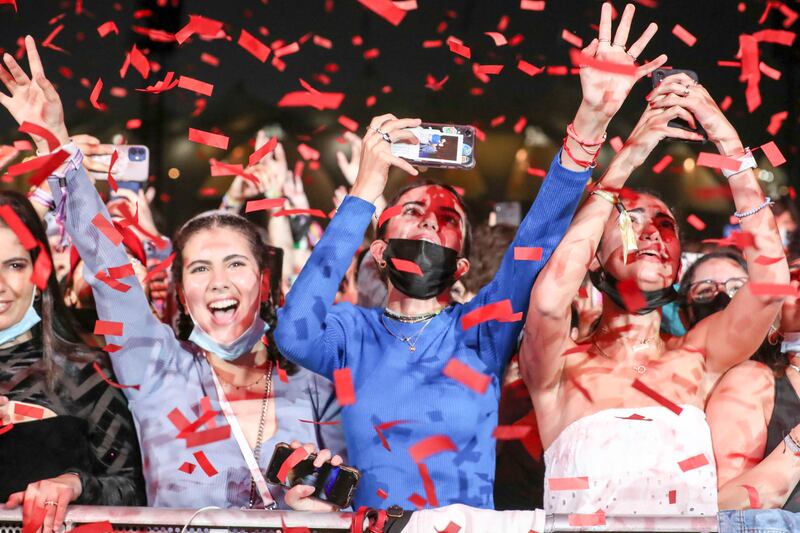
<point>706,290</point>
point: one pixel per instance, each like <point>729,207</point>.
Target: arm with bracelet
<point>732,335</point>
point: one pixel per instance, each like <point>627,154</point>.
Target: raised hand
<point>604,92</point>
<point>376,154</point>
<point>350,168</point>
<point>33,99</point>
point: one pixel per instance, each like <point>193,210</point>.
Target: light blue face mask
<point>230,352</point>
<point>791,342</point>
<point>30,319</point>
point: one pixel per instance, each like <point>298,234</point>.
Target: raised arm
<point>738,413</point>
<point>144,338</point>
<point>733,335</point>
<point>308,332</point>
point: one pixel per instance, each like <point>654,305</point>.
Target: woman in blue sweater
<point>417,434</point>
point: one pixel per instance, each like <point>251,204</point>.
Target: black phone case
<point>659,75</point>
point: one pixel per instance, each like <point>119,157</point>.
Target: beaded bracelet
<point>768,202</point>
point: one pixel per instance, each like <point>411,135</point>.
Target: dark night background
<point>246,91</point>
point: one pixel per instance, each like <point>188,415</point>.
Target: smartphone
<point>658,76</point>
<point>335,484</point>
<point>440,146</point>
<point>132,165</point>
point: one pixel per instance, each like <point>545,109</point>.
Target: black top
<point>93,433</point>
<point>785,416</point>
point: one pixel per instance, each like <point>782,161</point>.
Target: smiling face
<point>16,287</point>
<point>656,262</point>
<point>221,282</point>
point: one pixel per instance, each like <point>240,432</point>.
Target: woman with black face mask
<point>426,372</point>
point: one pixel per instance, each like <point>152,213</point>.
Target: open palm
<point>33,99</point>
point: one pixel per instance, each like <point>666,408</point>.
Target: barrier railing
<point>220,520</point>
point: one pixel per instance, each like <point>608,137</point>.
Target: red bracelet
<point>572,133</point>
<point>581,162</point>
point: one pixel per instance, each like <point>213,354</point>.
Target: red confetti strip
<point>776,121</point>
<point>459,48</point>
<point>48,41</point>
<point>467,376</point>
<point>140,62</point>
<point>30,411</point>
<point>752,495</point>
<point>108,327</point>
<point>111,282</point>
<point>382,494</point>
<point>673,496</point>
<point>405,265</point>
<point>783,37</point>
<point>200,25</point>
<point>523,253</point>
<point>683,34</point>
<point>771,289</point>
<point>388,213</point>
<point>208,138</point>
<point>774,155</point>
<point>529,69</point>
<point>6,428</point>
<point>500,311</point>
<point>427,484</point>
<point>201,438</point>
<point>163,265</point>
<point>43,166</point>
<point>511,432</point>
<point>281,373</point>
<point>498,38</point>
<point>291,48</point>
<point>106,228</point>
<point>695,222</point>
<point>726,103</point>
<point>187,467</point>
<point>431,446</point>
<point>258,49</point>
<point>296,456</point>
<point>111,348</point>
<point>765,260</point>
<point>693,462</point>
<point>108,380</point>
<point>568,483</point>
<point>343,383</point>
<point>571,38</point>
<point>578,59</point>
<point>111,181</point>
<point>191,84</point>
<point>532,5</point>
<point>10,2</point>
<point>330,423</point>
<point>418,501</point>
<point>707,159</point>
<point>209,59</point>
<point>307,153</point>
<point>264,204</point>
<point>593,519</point>
<point>205,464</point>
<point>659,167</point>
<point>316,100</point>
<point>644,389</point>
<point>34,129</point>
<point>194,426</point>
<point>262,152</point>
<point>107,27</point>
<point>537,172</point>
<point>310,212</point>
<point>348,123</point>
<point>386,9</point>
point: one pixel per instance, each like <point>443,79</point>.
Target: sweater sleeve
<point>543,227</point>
<point>310,329</point>
<point>146,343</point>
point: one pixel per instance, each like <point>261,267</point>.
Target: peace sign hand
<point>604,92</point>
<point>33,99</point>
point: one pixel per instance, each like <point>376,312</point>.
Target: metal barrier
<point>209,520</point>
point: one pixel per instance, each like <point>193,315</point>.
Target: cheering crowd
<point>439,359</point>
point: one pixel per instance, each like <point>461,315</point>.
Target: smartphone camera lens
<point>136,154</point>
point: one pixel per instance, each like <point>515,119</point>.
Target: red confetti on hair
<point>752,495</point>
<point>191,84</point>
<point>205,464</point>
<point>568,483</point>
<point>571,38</point>
<point>386,9</point>
<point>262,152</point>
<point>693,462</point>
<point>524,253</point>
<point>106,228</point>
<point>673,496</point>
<point>683,34</point>
<point>695,222</point>
<point>773,154</point>
<point>293,460</point>
<point>343,383</point>
<point>258,49</point>
<point>659,167</point>
<point>431,446</point>
<point>187,467</point>
<point>405,265</point>
<point>208,138</point>
<point>466,375</point>
<point>532,5</point>
<point>105,378</point>
<point>22,232</point>
<point>644,389</point>
<point>511,432</point>
<point>592,519</point>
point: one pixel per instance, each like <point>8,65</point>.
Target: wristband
<point>746,162</point>
<point>42,197</point>
<point>768,202</point>
<point>72,163</point>
<point>791,444</point>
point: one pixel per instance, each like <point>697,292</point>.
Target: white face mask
<point>791,342</point>
<point>242,345</point>
<point>30,319</point>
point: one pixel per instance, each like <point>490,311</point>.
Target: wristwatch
<point>746,162</point>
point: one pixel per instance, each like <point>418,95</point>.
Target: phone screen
<point>440,145</point>
<point>332,483</point>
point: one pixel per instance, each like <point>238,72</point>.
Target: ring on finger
<point>620,45</point>
<point>50,502</point>
<point>630,54</point>
<point>386,137</point>
<point>604,40</point>
<point>686,91</point>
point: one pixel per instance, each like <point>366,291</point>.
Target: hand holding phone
<point>132,165</point>
<point>659,75</point>
<point>440,146</point>
<point>331,481</point>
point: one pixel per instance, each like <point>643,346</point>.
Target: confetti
<point>382,494</point>
<point>318,100</point>
<point>111,282</point>
<point>673,496</point>
<point>386,9</point>
<point>348,123</point>
<point>500,311</point>
<point>139,62</point>
<point>201,438</point>
<point>35,521</point>
<point>200,25</point>
<point>343,383</point>
<point>568,483</point>
<point>209,139</point>
<point>107,27</point>
<point>310,212</point>
<point>584,520</point>
<point>532,5</point>
<point>693,462</point>
<point>205,464</point>
<point>772,289</point>
<point>659,167</point>
<point>683,34</point>
<point>106,228</point>
<point>776,121</point>
<point>523,253</point>
<point>635,416</point>
<point>774,155</point>
<point>644,389</point>
<point>30,411</point>
<point>764,260</point>
<point>431,446</point>
<point>498,38</point>
<point>388,213</point>
<point>580,59</point>
<point>707,159</point>
<point>34,129</point>
<point>258,49</point>
<point>571,38</point>
<point>404,265</point>
<point>459,48</point>
<point>19,228</point>
<point>427,484</point>
<point>511,432</point>
<point>418,501</point>
<point>187,467</point>
<point>529,69</point>
<point>191,84</point>
<point>108,327</point>
<point>695,222</point>
<point>163,265</point>
<point>262,152</point>
<point>295,458</point>
<point>466,375</point>
<point>108,380</point>
<point>264,204</point>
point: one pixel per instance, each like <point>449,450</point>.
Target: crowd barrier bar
<point>220,520</point>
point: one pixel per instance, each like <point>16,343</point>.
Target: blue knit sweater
<point>395,384</point>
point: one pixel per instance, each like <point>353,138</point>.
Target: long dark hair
<point>57,330</point>
<point>268,258</point>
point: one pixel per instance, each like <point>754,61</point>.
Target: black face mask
<point>437,263</point>
<point>697,311</point>
<point>607,284</point>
